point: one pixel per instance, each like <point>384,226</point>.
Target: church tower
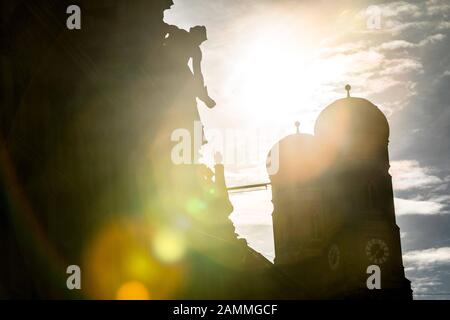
<point>334,216</point>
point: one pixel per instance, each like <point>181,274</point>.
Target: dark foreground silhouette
<point>86,176</point>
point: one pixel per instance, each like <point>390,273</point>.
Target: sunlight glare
<point>276,75</point>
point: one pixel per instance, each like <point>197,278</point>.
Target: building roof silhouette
<point>352,117</point>
<point>348,129</point>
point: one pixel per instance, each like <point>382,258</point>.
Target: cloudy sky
<point>270,63</point>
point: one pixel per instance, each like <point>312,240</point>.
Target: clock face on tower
<point>377,251</point>
<point>334,257</point>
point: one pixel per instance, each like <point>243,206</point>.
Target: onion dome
<point>353,125</point>
<point>293,159</point>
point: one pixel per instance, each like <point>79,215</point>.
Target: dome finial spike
<point>297,125</point>
<point>348,88</point>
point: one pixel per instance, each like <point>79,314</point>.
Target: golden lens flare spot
<point>138,265</point>
<point>168,246</point>
<point>121,252</point>
<point>133,290</point>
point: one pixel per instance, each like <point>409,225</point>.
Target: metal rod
<point>250,186</point>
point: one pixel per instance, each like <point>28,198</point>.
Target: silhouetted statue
<point>184,46</point>
<point>180,47</point>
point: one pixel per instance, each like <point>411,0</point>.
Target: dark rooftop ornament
<point>348,88</point>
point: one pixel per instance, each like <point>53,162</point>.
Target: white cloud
<point>397,27</point>
<point>443,25</point>
<point>410,206</point>
<point>423,285</point>
<point>381,84</point>
<point>420,268</point>
<point>402,44</point>
<point>408,174</point>
<point>395,9</point>
<point>400,66</point>
<point>432,39</point>
<point>398,17</point>
<point>397,44</point>
<point>427,257</point>
<point>437,7</point>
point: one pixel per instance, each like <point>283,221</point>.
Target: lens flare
<point>118,264</point>
<point>195,206</point>
<point>133,290</point>
<point>168,246</point>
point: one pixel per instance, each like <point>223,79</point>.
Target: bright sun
<point>276,75</point>
<point>268,72</point>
